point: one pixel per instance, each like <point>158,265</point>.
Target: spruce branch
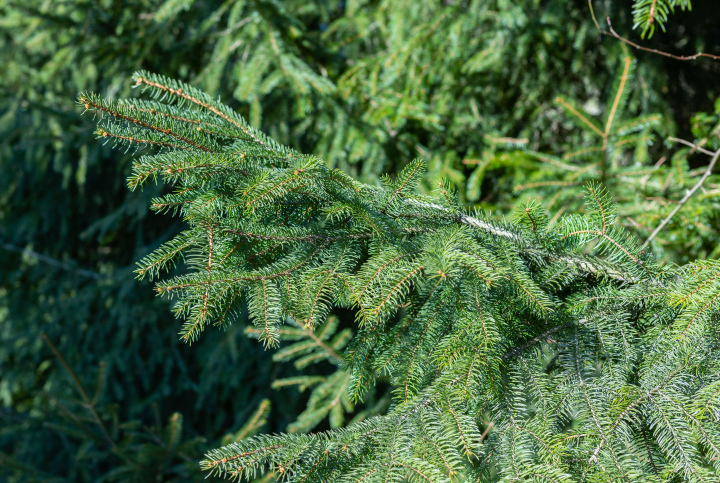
<point>92,104</point>
<point>156,82</point>
<point>534,346</point>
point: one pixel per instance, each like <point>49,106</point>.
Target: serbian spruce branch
<point>518,350</point>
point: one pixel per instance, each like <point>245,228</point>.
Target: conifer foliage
<point>649,13</point>
<point>649,185</point>
<point>519,350</point>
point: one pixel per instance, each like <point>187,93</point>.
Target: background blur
<point>365,85</point>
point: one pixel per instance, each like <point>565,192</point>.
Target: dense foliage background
<point>367,86</point>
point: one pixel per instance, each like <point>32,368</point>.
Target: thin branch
<point>252,422</point>
<point>167,131</point>
<point>484,436</point>
<point>582,263</point>
<point>579,115</point>
<point>517,350</point>
<point>209,107</point>
<point>694,146</point>
<point>685,198</point>
<point>140,140</point>
<point>98,385</point>
<point>592,13</point>
<point>329,350</point>
<point>86,400</point>
<point>612,33</point>
<point>52,261</point>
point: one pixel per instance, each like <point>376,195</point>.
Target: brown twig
<point>687,196</point>
<point>612,33</point>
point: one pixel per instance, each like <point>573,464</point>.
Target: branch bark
<point>687,196</point>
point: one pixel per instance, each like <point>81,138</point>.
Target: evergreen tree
<point>519,350</point>
<point>449,81</point>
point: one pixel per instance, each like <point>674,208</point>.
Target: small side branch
<point>687,196</point>
<point>167,131</point>
<point>337,358</point>
<point>52,261</point>
<point>90,405</point>
<point>632,44</point>
<point>582,264</point>
<point>694,146</point>
<point>656,51</point>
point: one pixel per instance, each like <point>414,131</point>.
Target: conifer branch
<point>618,95</point>
<point>132,139</point>
<point>139,79</point>
<point>87,403</point>
<point>52,262</point>
<point>694,146</point>
<point>471,319</point>
<point>580,116</point>
<point>89,103</point>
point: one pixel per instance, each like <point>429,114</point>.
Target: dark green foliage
<point>69,237</point>
<point>524,350</point>
<point>367,86</point>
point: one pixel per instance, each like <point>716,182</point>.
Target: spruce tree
<point>526,349</point>
<point>364,85</point>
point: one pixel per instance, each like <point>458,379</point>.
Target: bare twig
<point>484,436</point>
<point>592,12</point>
<point>687,196</point>
<point>694,146</point>
<point>612,33</point>
<point>656,51</point>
